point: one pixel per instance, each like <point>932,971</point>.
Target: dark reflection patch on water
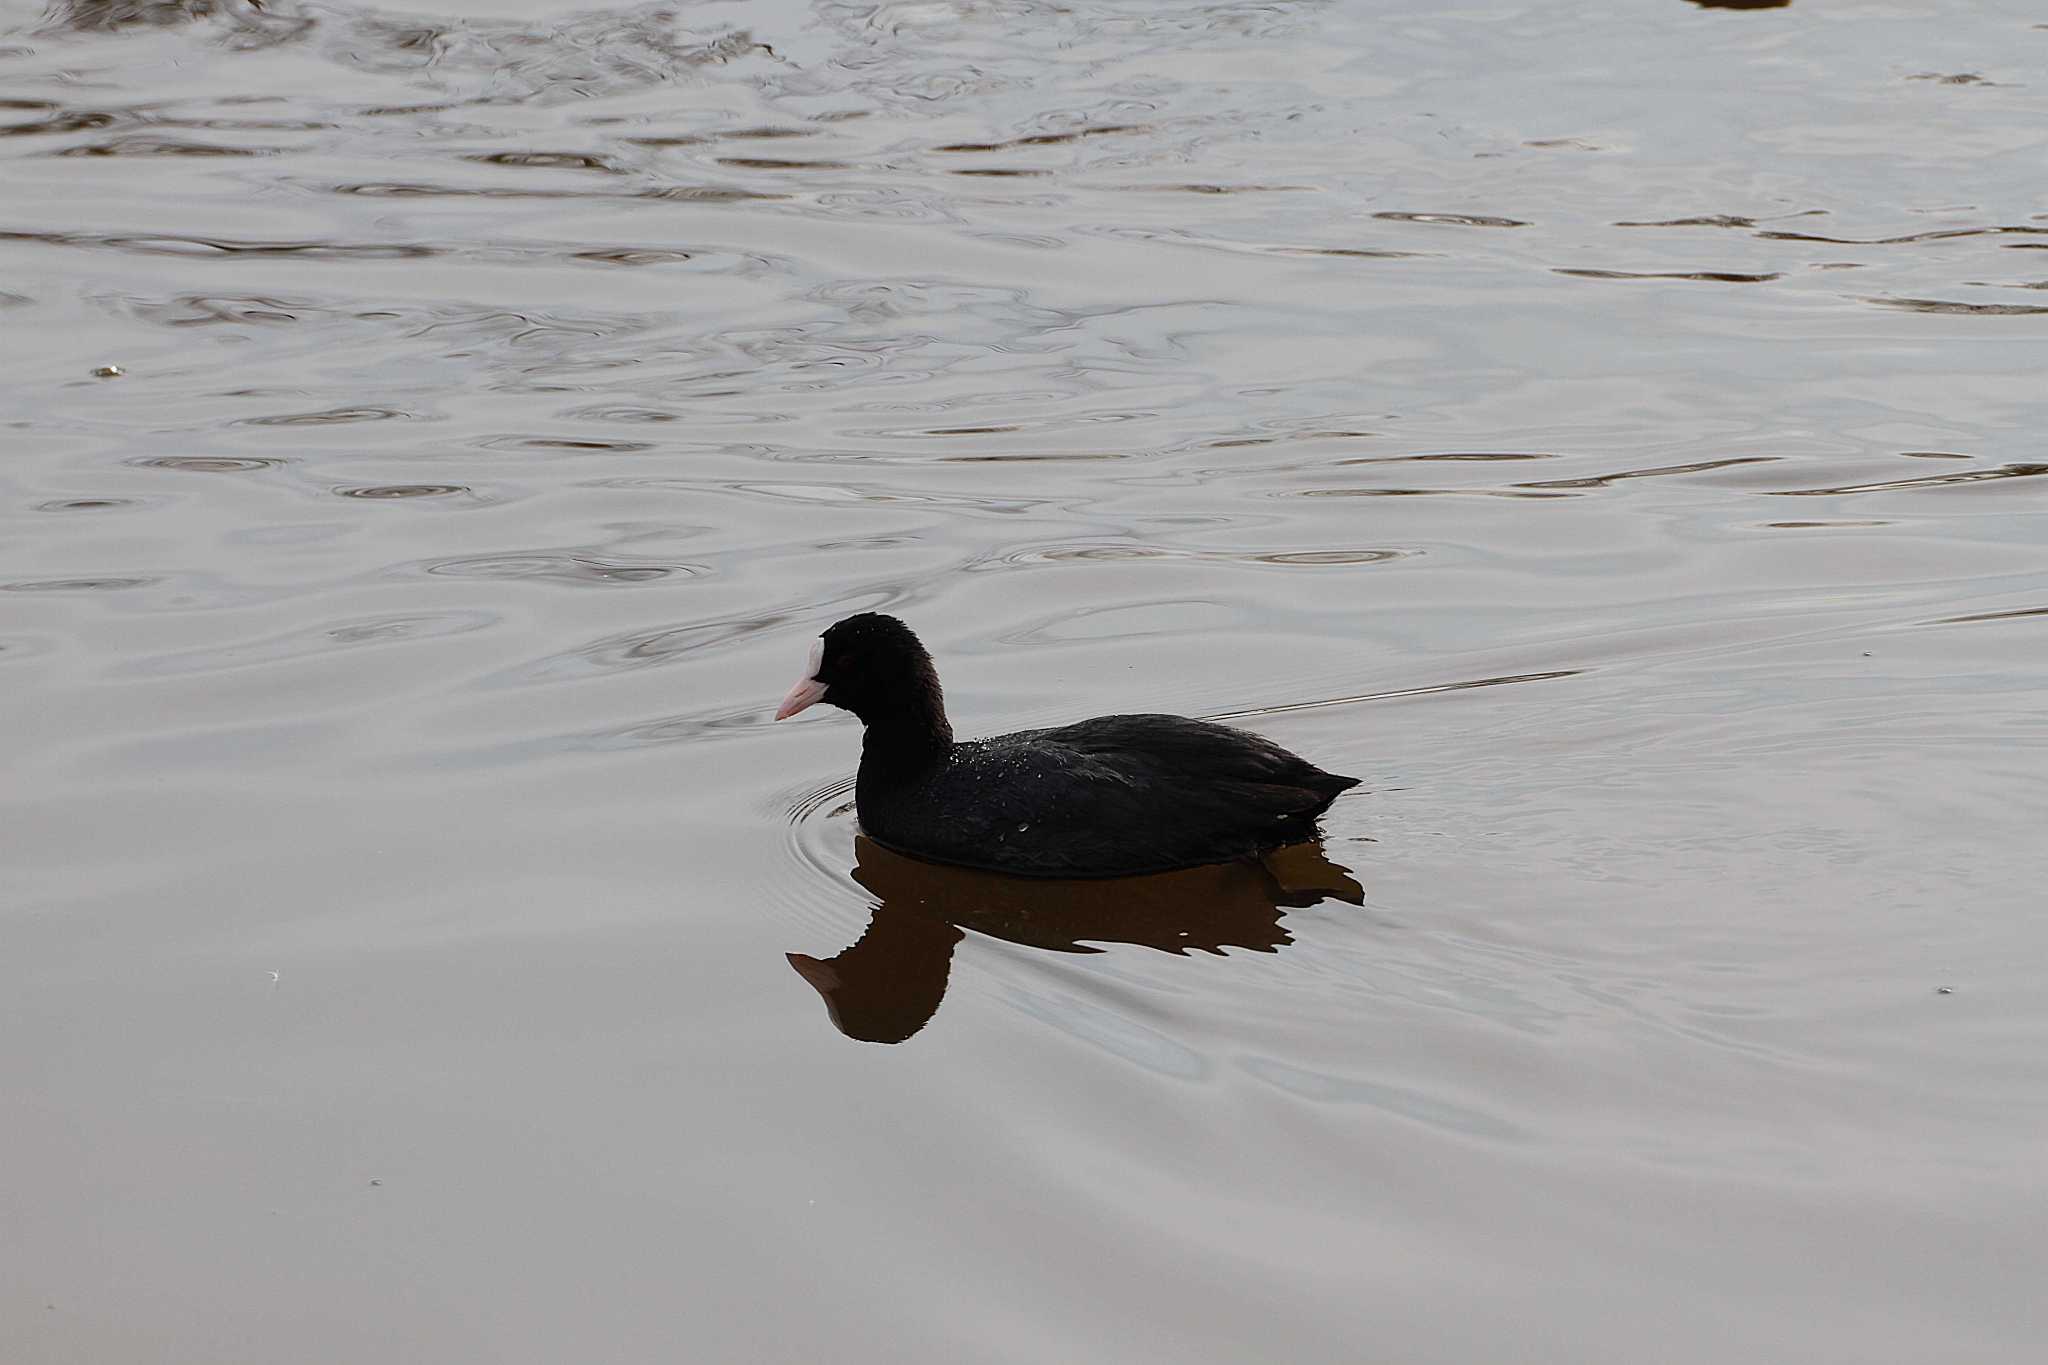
<point>886,986</point>
<point>1452,219</point>
<point>161,146</point>
<point>627,414</point>
<point>765,163</point>
<point>88,504</point>
<point>563,443</point>
<point>1716,276</point>
<point>156,244</point>
<point>1819,525</point>
<point>207,464</point>
<point>328,418</point>
<point>393,492</point>
<point>1431,457</point>
<point>1722,220</point>
<point>1995,310</point>
<point>1665,471</point>
<point>200,310</point>
<point>246,22</point>
<point>1426,492</point>
<point>2015,614</point>
<point>703,194</point>
<point>1043,139</point>
<point>559,161</point>
<point>635,256</point>
<point>1953,78</point>
<point>1972,476</point>
<point>106,584</point>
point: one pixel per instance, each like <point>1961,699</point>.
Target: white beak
<point>807,692</point>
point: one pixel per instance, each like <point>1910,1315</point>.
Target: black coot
<point>1108,797</point>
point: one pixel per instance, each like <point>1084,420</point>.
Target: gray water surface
<point>1613,433</point>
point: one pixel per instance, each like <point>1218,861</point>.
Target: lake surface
<point>1614,433</point>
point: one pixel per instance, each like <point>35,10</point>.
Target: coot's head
<point>873,666</point>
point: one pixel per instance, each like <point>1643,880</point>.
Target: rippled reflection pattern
<point>889,983</point>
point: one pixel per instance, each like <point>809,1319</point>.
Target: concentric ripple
<point>811,882</point>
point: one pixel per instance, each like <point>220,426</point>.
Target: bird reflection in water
<point>884,987</point>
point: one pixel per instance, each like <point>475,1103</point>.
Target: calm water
<point>1615,433</point>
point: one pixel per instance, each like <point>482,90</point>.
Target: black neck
<point>908,731</point>
<point>904,744</point>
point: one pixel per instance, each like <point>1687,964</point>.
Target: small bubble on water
<point>107,372</point>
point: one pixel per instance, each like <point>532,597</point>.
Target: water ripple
<point>1321,1087</point>
<point>315,641</point>
<point>646,648</point>
<point>1453,219</point>
<point>1505,680</point>
<point>2017,613</point>
<point>1973,476</point>
<point>1717,276</point>
<point>88,504</point>
<point>207,464</point>
<point>169,244</point>
<point>100,584</point>
<point>395,492</point>
<point>328,417</point>
<point>1660,471</point>
<point>161,146</point>
<point>1996,310</point>
<point>575,570</point>
<point>1114,551</point>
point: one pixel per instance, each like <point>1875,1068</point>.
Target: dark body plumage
<point>1112,796</point>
